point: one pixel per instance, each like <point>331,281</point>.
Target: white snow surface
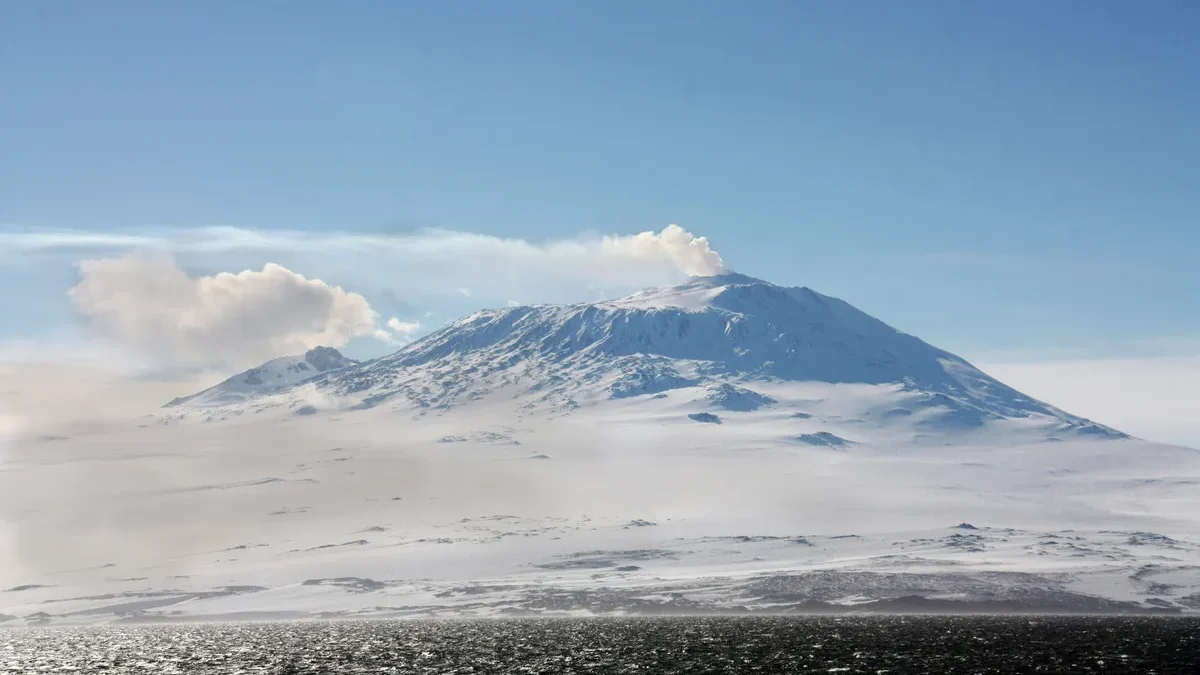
<point>542,460</point>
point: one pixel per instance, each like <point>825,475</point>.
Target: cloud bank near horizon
<point>1152,397</point>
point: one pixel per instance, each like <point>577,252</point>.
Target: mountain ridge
<point>272,376</point>
<point>728,329</point>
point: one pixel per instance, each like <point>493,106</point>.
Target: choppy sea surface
<point>670,645</point>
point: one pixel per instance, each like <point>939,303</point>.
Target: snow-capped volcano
<point>721,334</point>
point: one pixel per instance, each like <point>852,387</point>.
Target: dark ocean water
<point>686,645</point>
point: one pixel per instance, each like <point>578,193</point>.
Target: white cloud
<point>513,303</point>
<point>1155,398</point>
<point>149,305</point>
<point>42,238</point>
<point>624,258</point>
<point>686,251</point>
<point>465,292</point>
<point>403,327</point>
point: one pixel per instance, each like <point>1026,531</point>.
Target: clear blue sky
<point>986,175</point>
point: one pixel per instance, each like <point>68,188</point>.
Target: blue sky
<point>997,178</point>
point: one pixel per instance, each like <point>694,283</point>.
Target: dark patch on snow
<point>638,522</point>
<point>287,511</point>
<point>648,378</point>
<point>306,410</point>
<point>352,584</point>
<point>1151,538</point>
<point>707,418</point>
<point>602,559</point>
<point>493,437</point>
<point>26,587</point>
<point>1096,431</point>
<point>739,399</point>
<point>373,400</point>
<point>243,547</point>
<point>356,542</point>
<point>972,543</point>
<point>965,526</point>
<point>823,439</point>
<point>482,437</point>
<point>758,538</point>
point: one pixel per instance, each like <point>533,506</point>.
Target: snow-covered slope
<point>270,377</point>
<point>710,334</point>
<point>629,506</point>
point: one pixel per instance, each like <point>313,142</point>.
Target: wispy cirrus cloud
<point>34,239</point>
<point>672,248</point>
